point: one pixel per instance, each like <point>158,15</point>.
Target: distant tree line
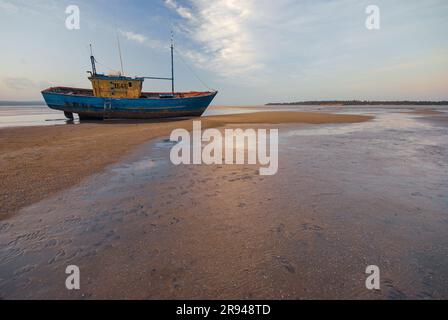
<point>361,103</point>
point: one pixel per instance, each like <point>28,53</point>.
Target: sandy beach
<point>364,186</point>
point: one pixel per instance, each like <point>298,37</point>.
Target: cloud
<point>182,11</point>
<point>134,36</point>
<point>8,7</point>
<point>223,33</point>
<point>42,7</point>
<point>251,39</point>
<point>18,83</point>
<point>142,39</point>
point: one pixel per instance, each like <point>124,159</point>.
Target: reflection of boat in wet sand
<point>117,96</point>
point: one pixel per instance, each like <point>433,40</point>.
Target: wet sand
<point>38,161</point>
<point>345,196</point>
<point>426,112</point>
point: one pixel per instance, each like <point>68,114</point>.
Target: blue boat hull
<point>90,107</point>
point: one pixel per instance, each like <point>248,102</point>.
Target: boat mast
<point>172,65</point>
<point>92,61</point>
<point>172,68</point>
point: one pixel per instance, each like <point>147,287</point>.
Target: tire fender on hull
<point>68,115</point>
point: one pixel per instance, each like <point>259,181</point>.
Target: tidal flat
<point>346,195</point>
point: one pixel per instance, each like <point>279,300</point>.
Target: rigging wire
<point>119,52</point>
<point>192,71</point>
<point>87,52</point>
<point>118,40</point>
<point>102,64</point>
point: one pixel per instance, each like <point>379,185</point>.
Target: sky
<point>251,51</point>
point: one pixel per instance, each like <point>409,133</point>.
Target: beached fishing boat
<point>118,96</point>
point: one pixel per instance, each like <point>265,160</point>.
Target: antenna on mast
<point>92,61</point>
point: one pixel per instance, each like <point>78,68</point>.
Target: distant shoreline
<point>21,103</point>
<point>360,103</point>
